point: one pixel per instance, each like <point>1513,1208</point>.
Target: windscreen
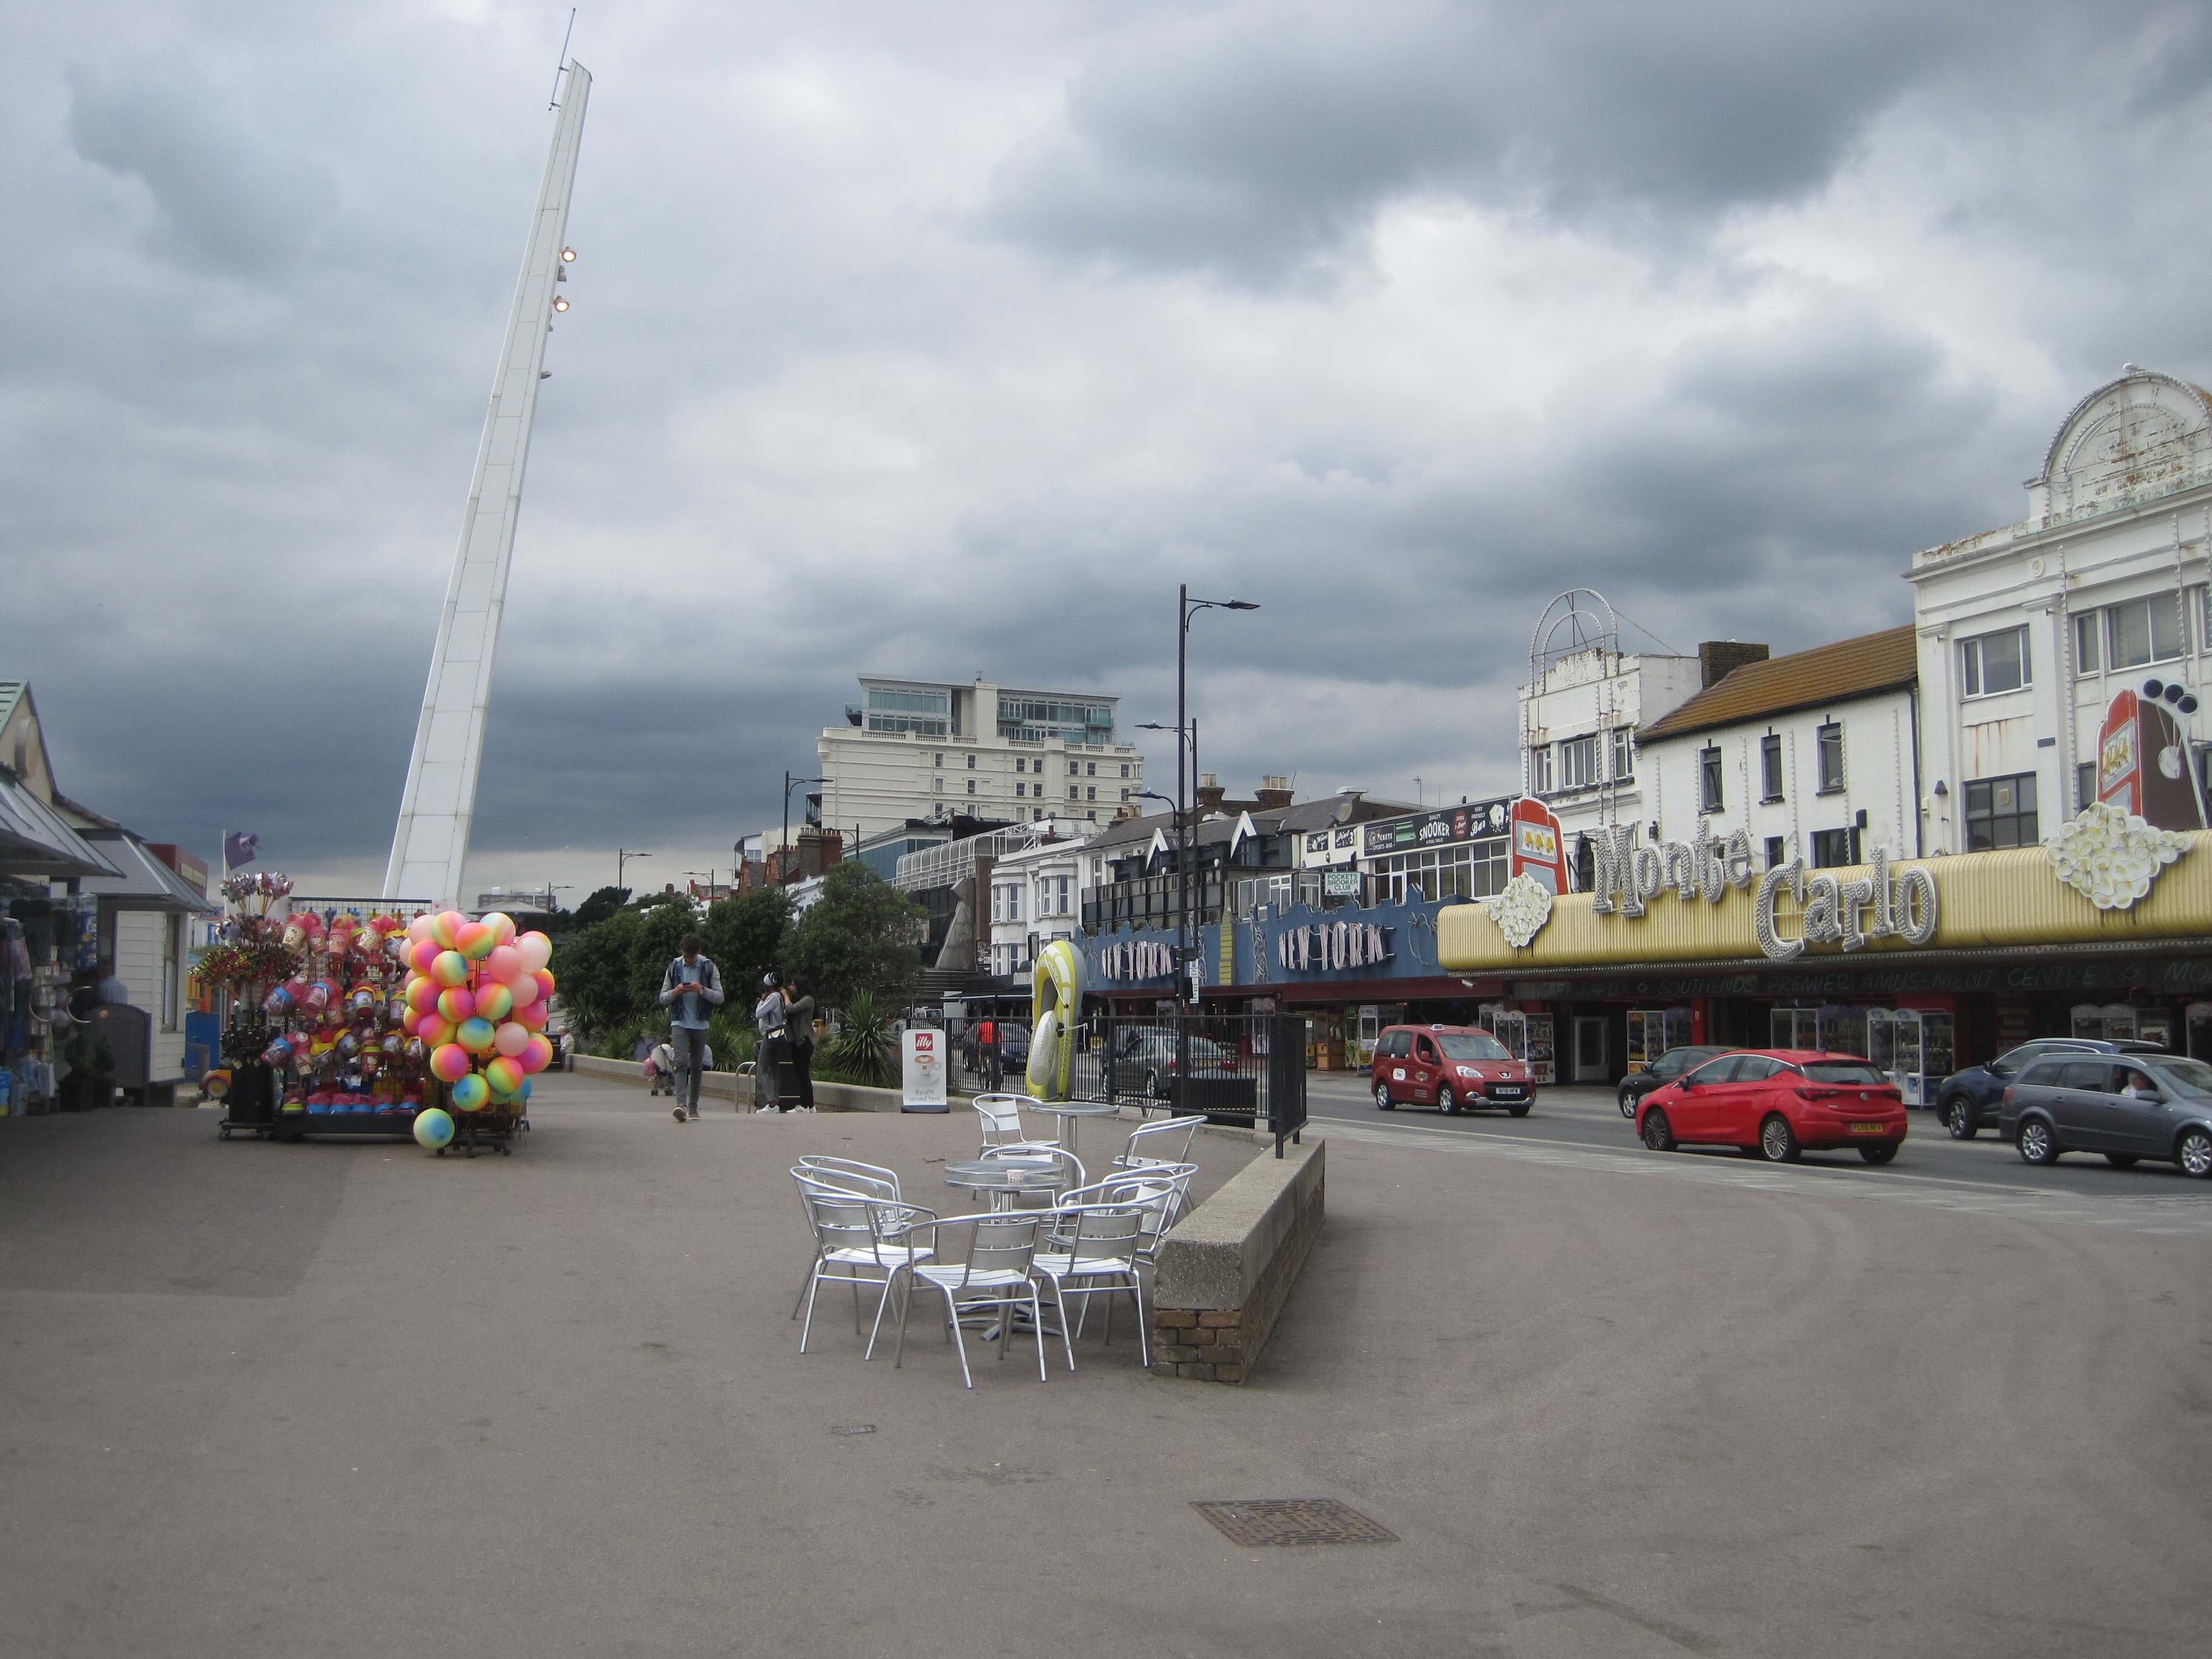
<point>1473,1045</point>
<point>1842,1071</point>
<point>2193,1075</point>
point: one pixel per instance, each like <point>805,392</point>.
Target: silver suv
<point>2127,1107</point>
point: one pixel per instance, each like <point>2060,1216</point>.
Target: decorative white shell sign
<point>2112,857</point>
<point>1521,908</point>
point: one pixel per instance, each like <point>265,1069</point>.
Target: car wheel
<point>1879,1152</point>
<point>1777,1141</point>
<point>1658,1133</point>
<point>1383,1100</point>
<point>1627,1103</point>
<point>1520,1110</point>
<point>1447,1102</point>
<point>2121,1160</point>
<point>1962,1118</point>
<point>2194,1154</point>
<point>1152,1090</point>
<point>2036,1143</point>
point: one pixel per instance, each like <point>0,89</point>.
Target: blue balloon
<point>434,1128</point>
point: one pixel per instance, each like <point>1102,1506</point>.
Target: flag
<point>239,847</point>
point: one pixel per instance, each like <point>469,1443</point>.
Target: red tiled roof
<point>1805,679</point>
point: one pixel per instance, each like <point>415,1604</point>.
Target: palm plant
<point>864,1049</point>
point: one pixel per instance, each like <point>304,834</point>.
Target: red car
<point>1449,1067</point>
<point>1779,1102</point>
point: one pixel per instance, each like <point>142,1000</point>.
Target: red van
<point>1451,1067</point>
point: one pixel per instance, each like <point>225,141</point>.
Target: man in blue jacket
<point>690,990</point>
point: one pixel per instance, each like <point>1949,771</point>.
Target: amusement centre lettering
<point>1832,911</point>
<point>1136,959</point>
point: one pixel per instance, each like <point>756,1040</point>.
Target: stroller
<point>660,1068</point>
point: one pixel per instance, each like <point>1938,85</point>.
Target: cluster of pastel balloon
<point>477,1002</point>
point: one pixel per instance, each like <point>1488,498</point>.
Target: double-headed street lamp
<point>624,855</point>
<point>783,853</point>
<point>1187,607</point>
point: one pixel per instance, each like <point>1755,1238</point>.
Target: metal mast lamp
<point>1187,842</point>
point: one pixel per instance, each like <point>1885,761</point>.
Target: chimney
<point>1210,794</point>
<point>1274,793</point>
<point>1718,659</point>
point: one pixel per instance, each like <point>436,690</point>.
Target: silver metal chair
<point>1001,1114</point>
<point>1158,1143</point>
<point>994,1279</point>
<point>855,1235</point>
<point>1096,1243</point>
<point>1071,1173</point>
<point>838,1175</point>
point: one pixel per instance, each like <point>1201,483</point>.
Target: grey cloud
<point>227,199</point>
<point>1259,141</point>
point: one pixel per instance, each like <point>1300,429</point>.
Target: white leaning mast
<point>432,840</point>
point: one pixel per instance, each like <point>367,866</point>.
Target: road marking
<point>2171,1216</point>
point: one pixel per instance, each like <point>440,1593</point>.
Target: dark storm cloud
<point>1258,139</point>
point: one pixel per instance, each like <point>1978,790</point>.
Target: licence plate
<point>1869,1129</point>
<point>1504,1091</point>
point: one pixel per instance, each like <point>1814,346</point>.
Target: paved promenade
<point>349,1399</point>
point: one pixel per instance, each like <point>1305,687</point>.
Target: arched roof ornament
<point>1573,622</point>
<point>2141,437</point>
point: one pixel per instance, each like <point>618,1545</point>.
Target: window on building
<point>1710,796</point>
<point>2085,784</point>
<point>1769,767</point>
<point>937,784</point>
<point>1578,763</point>
<point>1995,662</point>
<point>2145,631</point>
<point>940,759</point>
<point>1834,849</point>
<point>1624,754</point>
<point>1075,769</point>
<point>173,950</point>
<point>2001,812</point>
<point>1062,884</point>
<point>1830,738</point>
<point>1091,792</point>
<point>1092,816</point>
<point>1777,851</point>
<point>925,712</point>
<point>971,786</point>
<point>1124,794</point>
<point>971,767</point>
<point>1125,769</point>
<point>1090,769</point>
<point>2088,628</point>
<point>1020,790</point>
<point>1021,763</point>
<point>1540,768</point>
<point>1036,814</point>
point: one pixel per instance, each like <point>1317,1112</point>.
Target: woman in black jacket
<point>798,1028</point>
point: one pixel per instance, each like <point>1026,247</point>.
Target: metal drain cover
<point>1260,1521</point>
<point>853,1428</point>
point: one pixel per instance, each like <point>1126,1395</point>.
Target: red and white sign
<point>2142,764</point>
<point>1537,845</point>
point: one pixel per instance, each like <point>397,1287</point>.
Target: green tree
<point>598,908</point>
<point>746,936</point>
<point>859,936</point>
<point>593,967</point>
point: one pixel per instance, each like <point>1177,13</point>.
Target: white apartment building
<point>1036,896</point>
<point>920,749</point>
<point>1812,754</point>
<point>1579,715</point>
<point>2027,632</point>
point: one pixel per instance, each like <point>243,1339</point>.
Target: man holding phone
<point>690,990</point>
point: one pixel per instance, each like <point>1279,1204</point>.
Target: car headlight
<point>1469,1070</point>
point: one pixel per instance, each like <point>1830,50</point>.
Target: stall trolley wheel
<point>223,1133</point>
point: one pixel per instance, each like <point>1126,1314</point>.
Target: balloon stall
<point>431,1027</point>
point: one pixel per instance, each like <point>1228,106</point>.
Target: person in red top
<point>987,1053</point>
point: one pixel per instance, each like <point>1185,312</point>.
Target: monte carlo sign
<point>2107,877</point>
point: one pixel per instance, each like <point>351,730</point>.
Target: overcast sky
<point>946,338</point>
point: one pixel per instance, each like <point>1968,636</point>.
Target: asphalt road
<point>1588,1119</point>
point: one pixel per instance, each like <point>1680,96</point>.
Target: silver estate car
<point>2128,1106</point>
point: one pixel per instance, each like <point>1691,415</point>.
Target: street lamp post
<point>1186,842</point>
<point>623,856</point>
<point>783,853</point>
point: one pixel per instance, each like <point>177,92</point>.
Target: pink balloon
<point>424,953</point>
<point>419,929</point>
<point>511,1039</point>
<point>533,1016</point>
<point>538,1055</point>
<point>527,990</point>
<point>537,950</point>
<point>504,963</point>
<point>423,994</point>
<point>545,982</point>
<point>501,926</point>
<point>450,1062</point>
